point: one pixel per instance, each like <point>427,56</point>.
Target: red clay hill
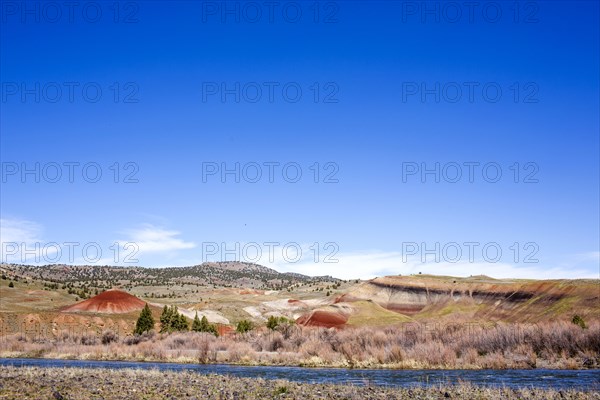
<point>108,302</point>
<point>323,318</point>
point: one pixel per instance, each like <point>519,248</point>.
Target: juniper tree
<point>165,319</point>
<point>171,320</point>
<point>577,320</point>
<point>244,326</point>
<point>272,322</point>
<point>196,324</point>
<point>181,323</point>
<point>145,321</point>
<point>202,325</point>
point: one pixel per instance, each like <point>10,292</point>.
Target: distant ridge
<point>218,274</point>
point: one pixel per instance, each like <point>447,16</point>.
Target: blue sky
<point>385,86</point>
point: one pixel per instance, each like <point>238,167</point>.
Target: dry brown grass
<point>549,345</point>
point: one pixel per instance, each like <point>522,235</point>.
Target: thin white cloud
<point>20,242</point>
<point>368,265</point>
<point>152,239</point>
<point>17,230</point>
<point>593,256</point>
<point>345,266</point>
<point>159,246</point>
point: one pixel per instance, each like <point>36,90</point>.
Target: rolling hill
<point>228,292</point>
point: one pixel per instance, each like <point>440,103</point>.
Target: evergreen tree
<point>165,319</point>
<point>171,320</point>
<point>577,320</point>
<point>244,326</point>
<point>202,325</point>
<point>145,322</point>
<point>272,322</point>
<point>196,324</point>
<point>181,323</point>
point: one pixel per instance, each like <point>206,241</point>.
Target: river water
<point>540,378</point>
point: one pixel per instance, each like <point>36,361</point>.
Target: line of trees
<point>172,321</point>
<point>202,325</point>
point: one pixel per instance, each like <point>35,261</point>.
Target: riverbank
<point>89,383</point>
<point>548,346</point>
<point>274,359</point>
